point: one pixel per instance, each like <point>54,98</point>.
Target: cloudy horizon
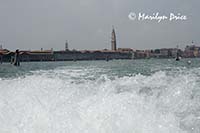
<point>87,24</point>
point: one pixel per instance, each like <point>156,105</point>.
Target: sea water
<point>119,96</point>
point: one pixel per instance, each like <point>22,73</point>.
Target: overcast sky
<point>87,24</point>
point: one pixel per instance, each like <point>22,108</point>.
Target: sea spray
<point>82,101</point>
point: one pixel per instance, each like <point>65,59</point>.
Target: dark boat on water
<point>177,58</point>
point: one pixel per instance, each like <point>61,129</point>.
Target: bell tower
<point>66,46</point>
<point>113,40</point>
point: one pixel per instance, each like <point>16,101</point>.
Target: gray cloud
<point>32,24</point>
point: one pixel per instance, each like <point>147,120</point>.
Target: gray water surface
<point>119,96</point>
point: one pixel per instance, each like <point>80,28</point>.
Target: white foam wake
<point>53,101</point>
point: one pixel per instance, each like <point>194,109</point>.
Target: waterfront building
<point>140,54</point>
<point>148,53</point>
<point>192,51</point>
<point>125,50</point>
<point>66,46</point>
<point>45,55</point>
<point>164,52</point>
<point>113,40</point>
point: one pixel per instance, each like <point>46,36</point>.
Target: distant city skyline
<point>87,24</point>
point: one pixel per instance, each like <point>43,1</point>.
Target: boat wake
<point>79,101</point>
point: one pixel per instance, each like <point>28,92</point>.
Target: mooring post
<point>17,58</point>
<point>1,59</point>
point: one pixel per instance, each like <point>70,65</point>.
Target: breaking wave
<point>86,101</point>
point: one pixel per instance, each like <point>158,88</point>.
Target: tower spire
<point>66,46</point>
<point>113,27</point>
<point>113,40</point>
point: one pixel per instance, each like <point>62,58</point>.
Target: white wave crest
<point>52,101</point>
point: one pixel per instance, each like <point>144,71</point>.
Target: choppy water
<point>129,96</point>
